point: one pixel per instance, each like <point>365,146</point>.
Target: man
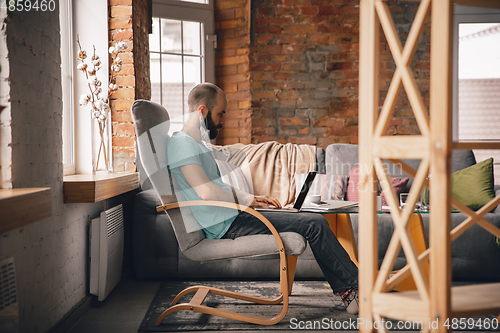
<point>196,172</point>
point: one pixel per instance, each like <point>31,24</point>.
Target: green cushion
<point>473,186</point>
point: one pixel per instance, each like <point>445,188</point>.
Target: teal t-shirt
<point>183,150</point>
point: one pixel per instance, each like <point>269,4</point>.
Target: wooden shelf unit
<point>435,297</point>
<point>93,188</point>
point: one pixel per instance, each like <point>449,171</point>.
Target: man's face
<point>216,117</point>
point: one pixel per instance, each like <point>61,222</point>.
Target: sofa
<point>156,254</point>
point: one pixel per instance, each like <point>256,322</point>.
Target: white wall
<point>50,255</point>
<point>5,135</point>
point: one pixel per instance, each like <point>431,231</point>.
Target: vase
<point>101,145</point>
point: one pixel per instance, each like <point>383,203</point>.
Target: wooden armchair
<point>151,122</point>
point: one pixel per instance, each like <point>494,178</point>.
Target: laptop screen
<point>304,190</point>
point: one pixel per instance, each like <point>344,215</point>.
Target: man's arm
<point>197,178</point>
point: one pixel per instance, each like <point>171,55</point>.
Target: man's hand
<point>264,201</point>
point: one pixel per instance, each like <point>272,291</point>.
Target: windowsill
<point>93,188</point>
<point>22,206</point>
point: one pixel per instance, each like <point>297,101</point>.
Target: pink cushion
<point>399,185</point>
<point>335,188</point>
<point>352,186</point>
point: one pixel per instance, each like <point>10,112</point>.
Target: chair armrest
<point>226,204</point>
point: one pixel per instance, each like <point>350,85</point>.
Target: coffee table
<point>341,225</point>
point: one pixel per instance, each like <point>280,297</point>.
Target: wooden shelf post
<point>441,134</point>
<point>435,302</point>
<point>368,106</point>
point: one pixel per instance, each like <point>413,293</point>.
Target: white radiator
<point>106,251</point>
<point>9,309</point>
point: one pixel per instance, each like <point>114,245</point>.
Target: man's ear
<point>203,110</point>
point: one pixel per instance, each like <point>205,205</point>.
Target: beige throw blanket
<point>270,167</point>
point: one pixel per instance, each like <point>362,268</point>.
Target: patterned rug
<point>312,305</point>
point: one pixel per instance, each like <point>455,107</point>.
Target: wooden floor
<point>122,311</point>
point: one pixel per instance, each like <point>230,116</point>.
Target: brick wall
<point>232,68</point>
<point>300,70</point>
<point>129,20</point>
<point>289,68</point>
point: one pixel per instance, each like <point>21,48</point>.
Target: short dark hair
<point>203,94</point>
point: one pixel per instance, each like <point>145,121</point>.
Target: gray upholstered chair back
<point>152,122</point>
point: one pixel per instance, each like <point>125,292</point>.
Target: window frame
<point>81,12</point>
<point>68,129</point>
<point>465,14</point>
<point>193,12</point>
<point>189,11</point>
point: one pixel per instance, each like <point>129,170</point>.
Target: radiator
<point>9,309</point>
<point>106,251</point>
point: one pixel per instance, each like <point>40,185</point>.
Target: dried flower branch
<point>99,102</point>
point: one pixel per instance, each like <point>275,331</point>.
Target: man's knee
<point>318,222</point>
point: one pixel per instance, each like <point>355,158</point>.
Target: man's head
<point>211,102</point>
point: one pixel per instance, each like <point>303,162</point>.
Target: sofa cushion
<point>497,209</point>
<point>340,158</point>
<point>329,187</point>
<point>461,159</point>
<point>320,160</point>
<point>253,245</point>
<point>336,187</point>
<point>352,193</point>
<point>473,186</point>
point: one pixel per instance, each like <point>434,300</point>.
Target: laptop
<point>299,201</point>
<point>318,207</point>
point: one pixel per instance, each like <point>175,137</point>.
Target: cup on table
<point>403,197</point>
<point>311,199</point>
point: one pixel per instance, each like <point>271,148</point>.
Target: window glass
<point>178,67</point>
<point>154,38</point>
<point>155,76</point>
<point>191,37</point>
<point>479,81</point>
<point>171,85</point>
<point>479,50</point>
<point>171,36</point>
<point>192,66</point>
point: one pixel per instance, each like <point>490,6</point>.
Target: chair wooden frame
<point>288,264</point>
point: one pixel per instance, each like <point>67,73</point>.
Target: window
<point>476,82</point>
<point>181,54</point>
<point>87,19</point>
